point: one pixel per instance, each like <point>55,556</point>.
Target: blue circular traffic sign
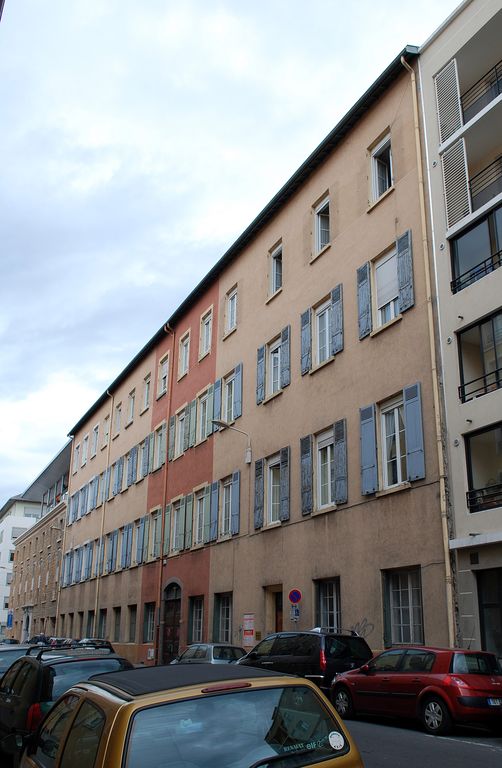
<point>295,596</point>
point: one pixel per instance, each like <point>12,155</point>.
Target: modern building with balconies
<point>461,82</point>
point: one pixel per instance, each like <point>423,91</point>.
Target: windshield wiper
<point>283,756</point>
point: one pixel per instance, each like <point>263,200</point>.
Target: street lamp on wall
<point>224,425</point>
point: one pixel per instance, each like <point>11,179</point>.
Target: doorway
<point>172,616</point>
<point>490,609</point>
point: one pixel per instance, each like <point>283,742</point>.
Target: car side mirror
<point>365,669</point>
<point>252,655</point>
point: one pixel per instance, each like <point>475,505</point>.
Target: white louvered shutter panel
<point>448,101</point>
<point>456,183</point>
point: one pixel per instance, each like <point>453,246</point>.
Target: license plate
<point>494,702</point>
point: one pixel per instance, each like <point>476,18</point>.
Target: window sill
<point>204,354</point>
<point>323,510</point>
<point>126,426</point>
<point>384,327</point>
<point>224,537</point>
<point>319,253</point>
<point>229,332</point>
<point>272,396</point>
<point>102,448</point>
<point>115,435</point>
<point>182,375</point>
<point>395,489</point>
<point>270,526</point>
<point>144,410</point>
<point>273,295</point>
<point>161,394</point>
<point>321,365</point>
<point>374,204</point>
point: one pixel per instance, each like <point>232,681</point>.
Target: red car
<point>438,686</point>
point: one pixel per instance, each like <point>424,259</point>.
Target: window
<point>146,392</point>
<point>231,310</point>
<point>398,444</point>
<point>86,729</point>
<point>202,416</point>
<point>48,742</point>
<point>325,470</point>
<point>480,349</point>
<point>322,225</point>
<point>94,440</point>
<point>386,288</point>
<point>477,251</point>
<point>178,528</point>
<point>271,502</point>
<point>102,623</point>
<point>163,376</point>
<point>403,603</point>
<point>156,533</point>
<point>184,355</point>
<point>132,611</point>
<point>328,605</point>
<point>275,270</point>
<point>130,406</point>
<point>85,449</point>
<point>381,168</point>
<point>229,397</point>
<point>160,446</point>
<point>117,419</point>
<point>223,618</point>
<point>321,329</point>
<point>202,517</point>
<point>90,624</point>
<point>180,432</point>
<point>76,457</point>
<point>226,507</point>
<point>106,431</point>
<point>273,489</point>
<point>116,625</point>
<point>484,468</point>
<point>393,436</point>
<point>206,326</point>
<point>149,623</point>
<point>196,619</point>
<point>322,332</point>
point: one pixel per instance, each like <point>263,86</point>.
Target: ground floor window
<point>403,603</point>
<point>196,619</point>
<point>223,618</point>
<point>328,604</point>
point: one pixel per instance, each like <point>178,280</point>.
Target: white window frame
<point>184,355</point>
<point>329,613</point>
<point>131,400</point>
<point>197,619</point>
<point>273,483</point>
<point>226,507</point>
<point>76,458</point>
<point>385,311</point>
<point>155,533</point>
<point>376,164</point>
<point>201,517</point>
<point>180,432</point>
<point>163,375</point>
<point>85,450</point>
<point>225,618</point>
<point>147,384</point>
<point>157,446</point>
<point>404,632</point>
<point>117,419</point>
<point>391,409</point>
<point>231,310</point>
<point>176,512</point>
<point>321,312</point>
<point>228,398</point>
<point>322,213</point>
<point>324,448</point>
<point>106,431</point>
<point>95,440</point>
<point>273,367</point>
<point>275,260</point>
<point>202,405</point>
<point>206,333</point>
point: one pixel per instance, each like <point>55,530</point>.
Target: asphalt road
<point>405,746</point>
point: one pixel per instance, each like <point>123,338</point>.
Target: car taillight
<point>33,717</point>
<point>322,661</point>
<point>453,680</point>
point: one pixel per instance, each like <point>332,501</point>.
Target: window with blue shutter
<point>368,449</point>
<point>260,375</point>
<point>337,319</point>
<point>284,482</point>
<point>193,423</point>
<point>415,457</point>
<point>259,489</point>
<point>182,525</point>
<point>306,342</point>
<point>238,391</point>
<point>235,502</point>
<point>213,512</point>
<point>210,403</point>
<point>188,521</point>
<point>340,461</point>
<point>405,271</point>
<point>216,403</point>
<point>140,540</point>
<point>306,474</point>
<point>285,357</point>
<point>172,437</point>
<point>364,300</point>
<point>167,530</point>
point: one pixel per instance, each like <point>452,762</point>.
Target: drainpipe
<point>159,646</point>
<point>433,357</point>
<point>105,502</point>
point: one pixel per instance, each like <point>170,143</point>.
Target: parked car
<point>32,684</point>
<point>9,654</point>
<point>314,654</point>
<point>438,686</point>
<point>39,639</point>
<point>210,653</point>
<point>9,641</point>
<point>184,716</point>
<point>96,642</point>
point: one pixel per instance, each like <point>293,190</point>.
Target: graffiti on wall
<point>364,628</point>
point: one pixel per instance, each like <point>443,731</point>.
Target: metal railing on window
<point>477,272</point>
<point>480,386</point>
<point>486,184</point>
<point>482,93</point>
<point>485,498</point>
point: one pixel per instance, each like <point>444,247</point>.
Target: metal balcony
<point>486,184</point>
<point>485,498</point>
<point>477,272</point>
<point>480,386</point>
<point>482,93</point>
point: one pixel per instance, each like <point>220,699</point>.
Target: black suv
<point>317,655</point>
<point>32,684</point>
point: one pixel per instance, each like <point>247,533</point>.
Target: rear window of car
<point>253,727</point>
<point>8,656</point>
<point>64,675</point>
<point>347,647</point>
<point>475,664</point>
<point>224,653</point>
<point>296,645</point>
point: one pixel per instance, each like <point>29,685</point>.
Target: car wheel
<point>436,718</point>
<point>343,702</point>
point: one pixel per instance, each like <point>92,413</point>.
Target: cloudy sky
<point>137,140</point>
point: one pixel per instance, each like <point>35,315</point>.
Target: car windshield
<point>475,664</point>
<point>283,725</point>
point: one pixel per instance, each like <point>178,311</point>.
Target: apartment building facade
<point>279,433</point>
<point>461,79</point>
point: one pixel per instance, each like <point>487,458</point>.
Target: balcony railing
<point>477,272</point>
<point>480,386</point>
<point>482,93</point>
<point>485,498</point>
<point>486,184</point>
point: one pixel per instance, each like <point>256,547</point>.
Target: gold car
<point>201,716</point>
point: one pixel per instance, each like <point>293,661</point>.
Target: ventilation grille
<point>456,183</point>
<point>448,101</point>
